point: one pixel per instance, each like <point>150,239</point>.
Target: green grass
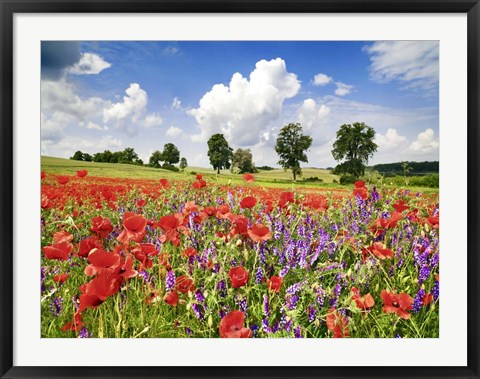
<point>274,178</point>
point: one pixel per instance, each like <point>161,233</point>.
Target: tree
<point>291,147</point>
<point>219,152</point>
<point>78,156</point>
<point>170,154</point>
<point>242,161</point>
<point>355,145</point>
<point>155,159</point>
<point>183,163</point>
<point>128,156</point>
<point>87,157</point>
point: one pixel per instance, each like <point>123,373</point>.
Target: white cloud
<point>310,115</point>
<point>173,131</point>
<point>133,105</point>
<point>321,79</point>
<point>244,109</point>
<point>93,126</point>
<point>414,63</point>
<point>343,89</point>
<point>66,147</point>
<point>152,119</point>
<point>89,64</point>
<point>176,103</point>
<point>390,140</point>
<point>425,143</point>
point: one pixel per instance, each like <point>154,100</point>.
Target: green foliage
<point>265,168</point>
<point>170,167</point>
<point>87,157</point>
<point>155,159</point>
<point>313,179</point>
<point>242,162</point>
<point>183,163</point>
<point>348,179</point>
<point>354,145</point>
<point>219,152</point>
<point>78,156</point>
<point>430,181</point>
<point>128,156</point>
<point>414,167</point>
<point>170,154</point>
<point>291,147</point>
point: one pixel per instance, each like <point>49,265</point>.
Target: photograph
<point>239,189</point>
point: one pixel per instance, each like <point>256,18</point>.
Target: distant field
<point>276,178</point>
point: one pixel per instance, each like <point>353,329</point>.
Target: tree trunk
<point>218,170</point>
<point>294,176</point>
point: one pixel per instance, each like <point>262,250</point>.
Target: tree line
<point>353,147</point>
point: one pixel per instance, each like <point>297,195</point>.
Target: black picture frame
<point>9,8</point>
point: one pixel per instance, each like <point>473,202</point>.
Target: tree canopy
<point>242,161</point>
<point>219,152</point>
<point>354,145</point>
<point>183,163</point>
<point>291,147</point>
<point>170,154</point>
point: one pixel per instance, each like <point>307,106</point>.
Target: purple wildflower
<point>170,280</point>
<point>84,333</point>
<point>418,301</point>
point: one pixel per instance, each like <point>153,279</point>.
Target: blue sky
<point>111,95</point>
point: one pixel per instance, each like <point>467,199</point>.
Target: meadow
<point>129,251</point>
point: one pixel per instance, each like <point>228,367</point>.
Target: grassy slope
<point>277,178</point>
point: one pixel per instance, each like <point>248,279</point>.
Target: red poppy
<point>248,178</point>
<point>427,299</point>
<point>133,228</point>
<point>143,251</point>
<point>171,298</point>
<point>58,251</point>
<point>101,226</point>
<point>399,304</point>
<point>337,323</point>
<point>238,276</point>
<point>362,191</point>
<point>184,284</point>
<point>400,206</point>
<point>388,223</point>
<point>364,303</point>
<point>98,290</point>
<point>164,183</point>
<point>274,283</point>
<point>433,221</point>
<point>141,203</point>
<point>63,179</point>
<point>259,233</point>
<point>190,252</point>
<point>43,175</point>
<point>231,326</point>
<point>199,184</point>
<point>359,184</point>
<point>63,236</point>
<point>60,278</point>
<point>82,173</point>
<point>169,225</point>
<point>379,250</point>
<point>286,198</point>
<point>125,270</point>
<point>102,262</point>
<point>223,211</point>
<point>239,226</point>
<point>248,202</point>
<point>88,244</point>
<point>198,176</point>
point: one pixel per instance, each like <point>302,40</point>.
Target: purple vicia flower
<point>84,333</point>
<point>436,290</point>
<point>222,287</point>
<point>311,313</point>
<point>423,274</point>
<point>258,275</point>
<point>199,296</point>
<point>196,310</point>
<point>266,308</point>
<point>266,328</point>
<point>170,280</point>
<point>56,306</point>
<point>292,301</point>
<point>297,332</point>
<point>418,301</point>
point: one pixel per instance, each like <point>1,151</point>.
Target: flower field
<point>125,258</point>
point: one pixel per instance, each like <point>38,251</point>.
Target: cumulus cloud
<point>176,103</point>
<point>321,79</point>
<point>244,109</point>
<point>390,140</point>
<point>173,131</point>
<point>312,115</point>
<point>425,143</point>
<point>343,89</point>
<point>67,146</point>
<point>413,63</point>
<point>133,105</point>
<point>89,64</point>
<point>152,120</point>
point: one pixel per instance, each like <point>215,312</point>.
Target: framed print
<point>239,189</point>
